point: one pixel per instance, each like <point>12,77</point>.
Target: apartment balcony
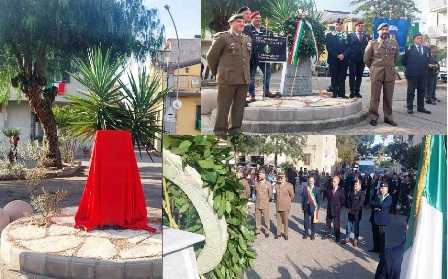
<point>437,32</point>
<point>437,6</point>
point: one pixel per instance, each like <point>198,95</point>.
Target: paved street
<point>319,259</point>
<point>416,123</point>
<point>150,173</point>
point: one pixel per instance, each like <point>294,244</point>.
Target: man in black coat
<point>336,43</point>
<point>252,30</point>
<point>380,218</point>
<point>416,61</point>
<point>336,199</point>
<point>356,44</point>
<point>355,202</point>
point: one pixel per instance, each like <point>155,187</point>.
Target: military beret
<point>339,20</point>
<point>359,22</point>
<point>384,184</point>
<point>382,25</point>
<point>235,17</point>
<point>243,9</point>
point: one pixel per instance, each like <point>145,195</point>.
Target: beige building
<point>17,113</point>
<point>437,20</point>
<point>320,152</point>
<point>349,20</point>
<point>182,63</point>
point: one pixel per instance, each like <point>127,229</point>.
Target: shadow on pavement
<point>337,271</point>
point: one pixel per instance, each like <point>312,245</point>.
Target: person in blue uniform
<point>357,43</point>
<point>336,43</point>
<point>380,217</point>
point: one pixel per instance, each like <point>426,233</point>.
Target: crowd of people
<point>232,58</point>
<point>382,194</point>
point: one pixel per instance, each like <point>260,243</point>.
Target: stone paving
<point>61,251</point>
<point>417,123</point>
<point>318,259</point>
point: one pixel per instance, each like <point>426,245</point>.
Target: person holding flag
<point>310,206</point>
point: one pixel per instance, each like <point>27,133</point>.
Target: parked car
<point>366,72</point>
<point>442,74</point>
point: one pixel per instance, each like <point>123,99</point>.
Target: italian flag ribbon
<point>425,249</point>
<point>298,40</point>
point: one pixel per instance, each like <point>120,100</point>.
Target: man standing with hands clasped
<point>310,206</point>
<point>380,56</point>
<point>285,196</point>
<point>336,200</point>
<point>357,43</point>
<point>416,61</point>
<point>263,192</point>
<point>228,59</point>
<point>336,43</point>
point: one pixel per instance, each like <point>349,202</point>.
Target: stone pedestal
<point>63,252</point>
<point>301,84</point>
<point>179,259</point>
<point>301,114</point>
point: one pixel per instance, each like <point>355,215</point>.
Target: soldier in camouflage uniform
<point>381,56</point>
<point>228,59</point>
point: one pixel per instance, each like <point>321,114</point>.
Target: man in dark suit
<point>310,206</point>
<point>380,218</point>
<point>357,43</point>
<point>336,43</point>
<point>336,199</point>
<point>416,61</point>
<point>252,30</point>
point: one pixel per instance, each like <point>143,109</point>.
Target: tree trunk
<point>46,117</point>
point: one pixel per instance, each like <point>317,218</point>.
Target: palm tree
<point>110,103</point>
<point>141,107</point>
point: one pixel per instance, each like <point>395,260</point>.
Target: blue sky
<point>186,13</point>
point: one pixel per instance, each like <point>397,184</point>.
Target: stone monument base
<point>301,114</point>
<point>61,251</point>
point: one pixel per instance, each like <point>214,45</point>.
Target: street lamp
<point>177,104</point>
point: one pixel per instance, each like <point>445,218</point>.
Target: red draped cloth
<point>113,194</point>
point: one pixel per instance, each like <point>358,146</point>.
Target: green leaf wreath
<point>211,160</point>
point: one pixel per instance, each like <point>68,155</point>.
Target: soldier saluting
<point>381,56</point>
<point>228,59</point>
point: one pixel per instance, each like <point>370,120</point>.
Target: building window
<point>307,159</point>
<point>198,118</point>
<point>187,70</point>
